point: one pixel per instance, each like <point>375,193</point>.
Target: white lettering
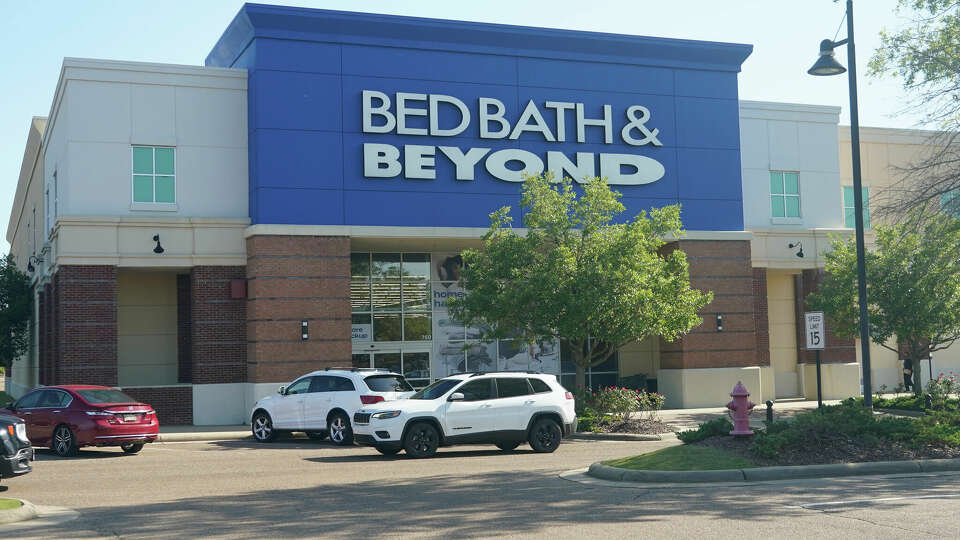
<point>639,123</point>
<point>403,111</point>
<point>646,170</point>
<point>497,164</point>
<point>383,110</point>
<point>381,160</point>
<point>560,107</point>
<point>435,100</point>
<point>582,171</point>
<point>417,159</point>
<point>582,123</point>
<point>539,125</point>
<point>486,117</point>
<point>465,163</point>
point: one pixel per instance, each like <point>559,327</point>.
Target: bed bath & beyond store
<point>202,235</point>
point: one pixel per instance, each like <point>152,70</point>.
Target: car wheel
<point>338,426</point>
<point>131,448</point>
<point>507,446</point>
<point>545,436</point>
<point>387,451</point>
<point>64,443</point>
<point>317,435</point>
<point>422,440</point>
<point>262,427</point>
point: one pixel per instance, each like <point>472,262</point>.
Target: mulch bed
<point>637,426</point>
<point>839,450</point>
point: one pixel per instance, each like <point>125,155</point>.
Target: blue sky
<point>785,34</point>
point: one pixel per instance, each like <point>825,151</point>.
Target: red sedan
<point>64,418</point>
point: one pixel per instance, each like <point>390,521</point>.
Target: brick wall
<point>723,267</point>
<point>84,325</point>
<point>217,326</point>
<point>836,350</point>
<point>291,279</point>
<point>761,315</point>
<point>184,330</point>
<point>174,404</point>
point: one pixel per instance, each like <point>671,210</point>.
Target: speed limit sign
<point>816,329</point>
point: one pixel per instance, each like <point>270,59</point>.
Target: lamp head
<point>826,64</point>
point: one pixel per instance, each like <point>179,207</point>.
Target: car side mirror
<point>456,396</point>
<point>12,406</point>
<point>281,390</point>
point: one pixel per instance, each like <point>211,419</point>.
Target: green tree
<point>913,288</point>
<point>925,55</point>
<point>577,275</point>
<point>16,308</point>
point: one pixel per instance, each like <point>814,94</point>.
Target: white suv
<point>501,408</point>
<point>321,403</point>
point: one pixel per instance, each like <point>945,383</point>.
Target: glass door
<point>413,362</point>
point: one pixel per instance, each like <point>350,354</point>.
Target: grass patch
<point>683,458</point>
<point>5,398</point>
<point>10,504</point>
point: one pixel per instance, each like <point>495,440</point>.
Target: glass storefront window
<point>360,295</point>
<point>387,327</point>
<point>385,295</point>
<point>416,368</point>
<point>416,266</point>
<point>386,266</point>
<point>417,327</point>
<point>416,296</point>
<point>360,266</point>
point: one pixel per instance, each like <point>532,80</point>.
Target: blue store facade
<point>387,141</point>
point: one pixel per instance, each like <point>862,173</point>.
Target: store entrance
<point>413,361</point>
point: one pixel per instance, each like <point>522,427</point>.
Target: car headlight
<point>386,414</point>
<point>21,430</point>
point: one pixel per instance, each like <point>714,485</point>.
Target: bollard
<point>769,411</point>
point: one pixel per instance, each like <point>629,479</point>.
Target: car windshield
<point>105,395</point>
<point>436,390</point>
<point>388,383</point>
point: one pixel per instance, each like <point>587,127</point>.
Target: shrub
<point>717,426</point>
<point>941,388</point>
<point>620,402</point>
<point>651,403</point>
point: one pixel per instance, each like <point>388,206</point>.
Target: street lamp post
<point>827,65</point>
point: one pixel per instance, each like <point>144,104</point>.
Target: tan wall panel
<point>640,357</point>
<point>146,328</point>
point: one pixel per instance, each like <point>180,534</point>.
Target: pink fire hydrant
<point>741,410</point>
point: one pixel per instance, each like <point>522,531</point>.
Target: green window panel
<point>777,206</point>
<point>849,215</point>
<point>791,183</point>
<point>776,182</point>
<point>142,160</point>
<point>165,189</point>
<point>164,161</point>
<point>792,206</point>
<point>142,188</point>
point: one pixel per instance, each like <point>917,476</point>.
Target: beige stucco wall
<point>783,332</point>
<point>146,328</point>
<point>839,381</point>
<point>640,357</point>
<point>709,387</point>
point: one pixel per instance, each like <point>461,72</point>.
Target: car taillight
<point>370,400</point>
<point>568,395</point>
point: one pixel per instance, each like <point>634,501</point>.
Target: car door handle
<point>26,413</point>
<point>486,406</point>
<point>529,402</point>
<point>56,412</point>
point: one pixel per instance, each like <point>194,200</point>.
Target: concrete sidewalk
<point>682,418</point>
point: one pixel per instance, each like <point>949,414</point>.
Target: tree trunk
<point>917,380</point>
<point>581,377</point>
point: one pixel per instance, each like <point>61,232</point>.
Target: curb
<point>587,435</point>
<point>761,474</point>
<point>25,512</point>
<point>204,436</point>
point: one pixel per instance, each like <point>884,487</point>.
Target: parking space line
<point>854,502</point>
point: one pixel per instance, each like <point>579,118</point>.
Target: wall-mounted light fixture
<point>719,322</point>
<point>31,260</point>
<point>798,245</point>
<point>304,330</point>
<point>158,249</point>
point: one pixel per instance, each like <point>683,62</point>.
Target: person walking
<point>907,374</point>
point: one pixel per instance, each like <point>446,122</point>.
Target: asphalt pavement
<point>303,488</point>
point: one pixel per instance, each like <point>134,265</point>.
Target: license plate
<point>129,418</point>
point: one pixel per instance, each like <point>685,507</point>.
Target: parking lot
<point>307,488</point>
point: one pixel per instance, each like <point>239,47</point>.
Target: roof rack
<point>476,373</point>
<point>355,369</point>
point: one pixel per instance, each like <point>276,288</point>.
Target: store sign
<point>448,116</point>
<point>361,332</point>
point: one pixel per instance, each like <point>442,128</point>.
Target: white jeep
<point>501,408</point>
<point>321,403</point>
